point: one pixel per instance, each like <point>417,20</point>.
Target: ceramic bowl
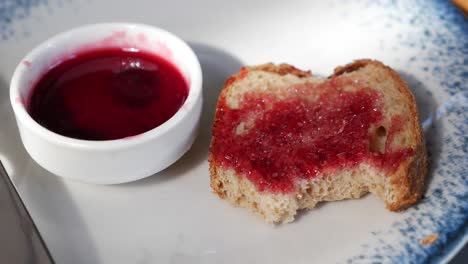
<point>109,161</point>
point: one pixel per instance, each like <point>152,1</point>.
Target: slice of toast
<point>284,140</point>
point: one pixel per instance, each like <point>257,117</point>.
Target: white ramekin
<point>110,161</point>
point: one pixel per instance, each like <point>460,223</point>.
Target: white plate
<point>173,217</point>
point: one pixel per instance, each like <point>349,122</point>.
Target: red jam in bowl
<point>108,94</point>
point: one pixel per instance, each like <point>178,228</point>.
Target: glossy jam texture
<point>294,138</point>
<point>108,94</point>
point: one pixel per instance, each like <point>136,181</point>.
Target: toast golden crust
<point>281,69</point>
<point>402,189</point>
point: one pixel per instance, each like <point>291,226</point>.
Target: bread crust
<point>404,187</point>
<point>281,69</point>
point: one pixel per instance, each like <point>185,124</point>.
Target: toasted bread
<point>284,140</point>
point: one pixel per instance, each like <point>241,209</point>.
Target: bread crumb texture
<point>274,164</point>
